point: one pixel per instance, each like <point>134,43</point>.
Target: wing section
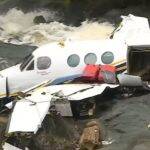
<point>29,113</point>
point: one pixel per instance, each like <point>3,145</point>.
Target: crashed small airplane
<point>57,63</point>
<point>60,61</point>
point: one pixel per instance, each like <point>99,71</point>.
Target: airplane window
<point>107,57</point>
<point>31,66</point>
<point>90,58</point>
<point>73,60</point>
<point>43,63</point>
<point>25,62</point>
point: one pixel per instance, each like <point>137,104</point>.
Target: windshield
<point>25,62</point>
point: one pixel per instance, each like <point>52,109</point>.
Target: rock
<point>39,19</point>
<point>91,137</point>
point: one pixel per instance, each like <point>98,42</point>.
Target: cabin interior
<point>138,61</point>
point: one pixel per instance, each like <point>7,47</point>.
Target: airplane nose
<point>10,71</point>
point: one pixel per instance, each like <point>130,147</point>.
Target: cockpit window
<point>26,61</point>
<point>43,63</point>
<point>31,66</point>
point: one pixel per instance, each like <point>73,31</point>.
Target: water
<point>18,27</point>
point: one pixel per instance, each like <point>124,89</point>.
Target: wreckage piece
<point>29,112</point>
<point>80,100</point>
<point>138,60</point>
<point>129,80</point>
<point>91,136</point>
<point>131,29</point>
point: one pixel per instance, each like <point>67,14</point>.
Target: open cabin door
<point>138,61</point>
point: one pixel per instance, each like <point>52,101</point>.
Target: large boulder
<point>39,19</point>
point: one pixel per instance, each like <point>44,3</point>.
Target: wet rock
<point>8,53</point>
<point>39,19</point>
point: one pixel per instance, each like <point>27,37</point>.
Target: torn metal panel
<point>129,80</point>
<point>132,28</point>
<point>9,105</point>
<point>29,113</point>
<point>138,61</point>
<point>63,107</point>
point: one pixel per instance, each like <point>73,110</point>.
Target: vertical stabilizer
<point>131,28</point>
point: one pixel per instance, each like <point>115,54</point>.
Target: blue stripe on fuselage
<point>64,79</point>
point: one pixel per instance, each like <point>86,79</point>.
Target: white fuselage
<point>60,64</point>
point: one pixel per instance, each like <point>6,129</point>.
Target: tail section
<point>131,28</point>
